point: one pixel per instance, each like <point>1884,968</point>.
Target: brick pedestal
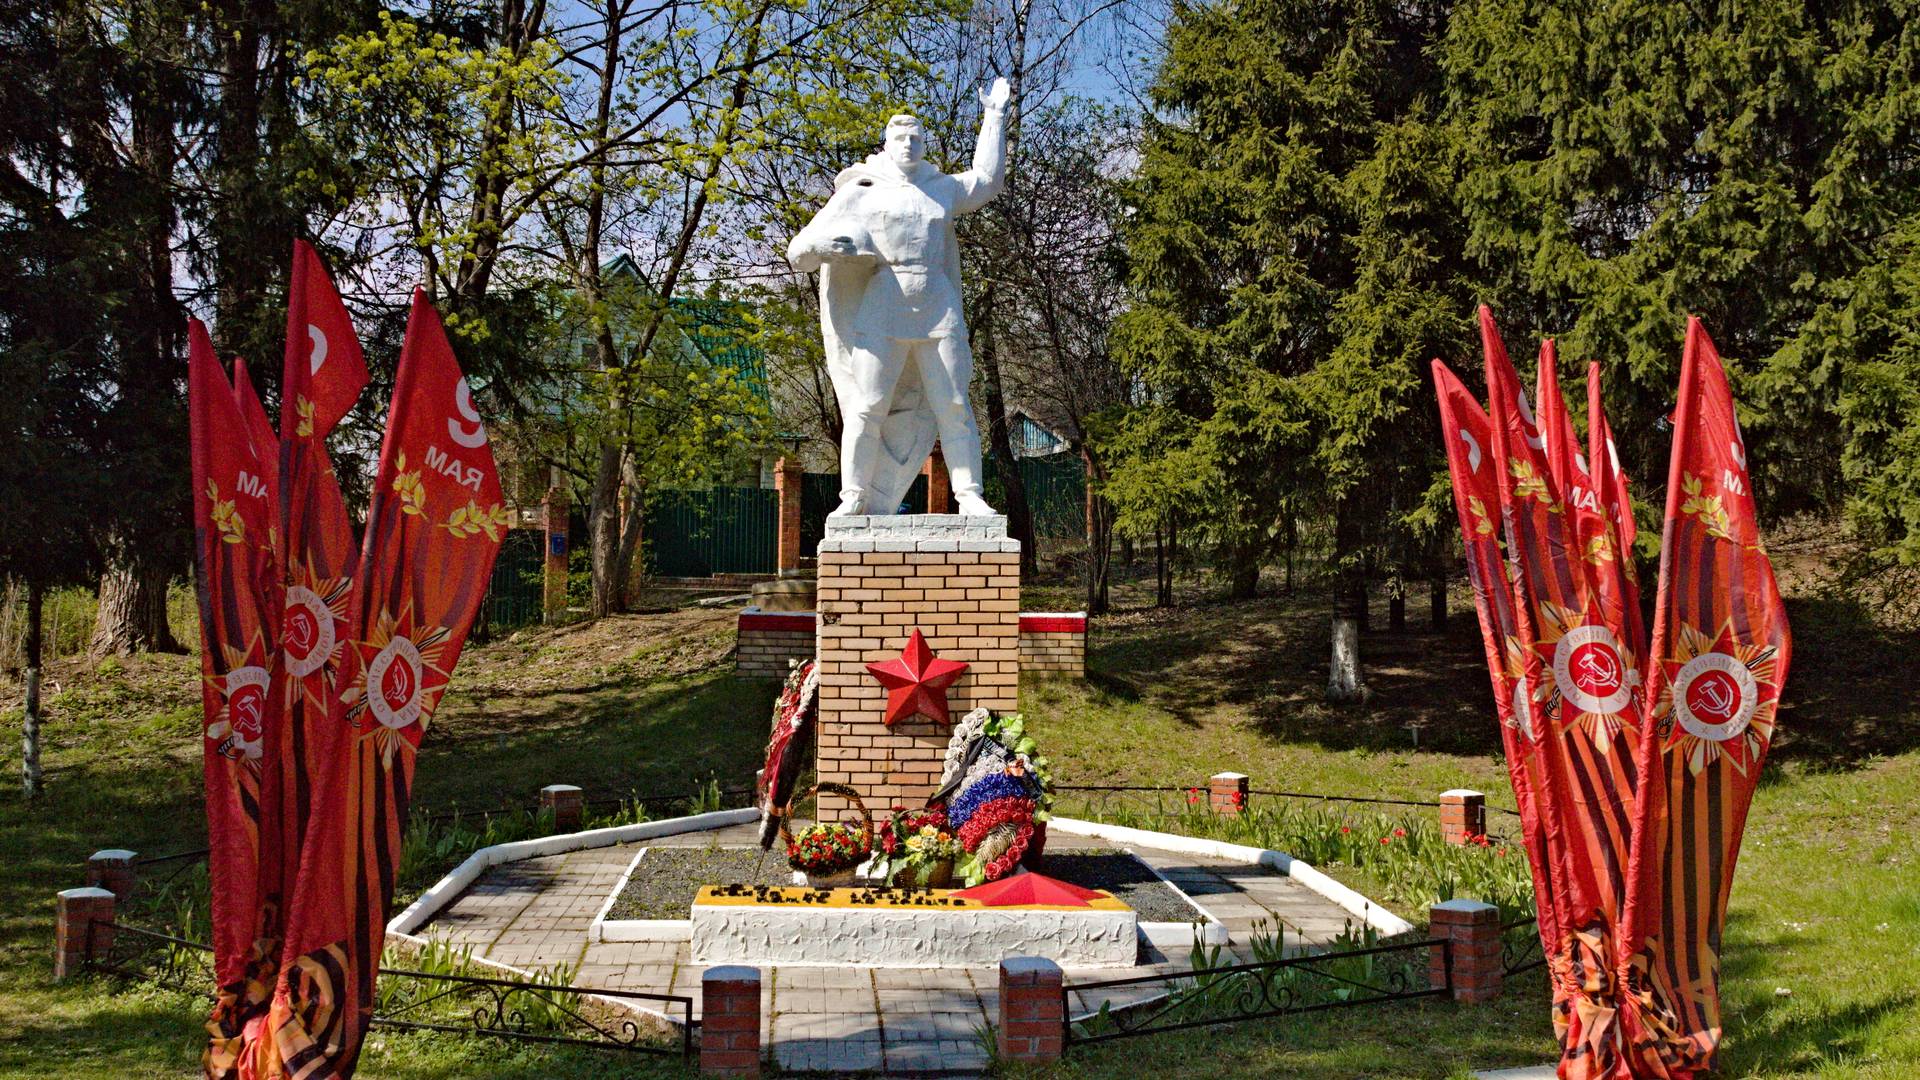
<point>1473,931</point>
<point>568,804</point>
<point>112,870</point>
<point>1227,792</point>
<point>788,479</point>
<point>553,575</point>
<point>1463,815</point>
<point>1033,1010</point>
<point>75,911</point>
<point>955,578</point>
<point>939,484</point>
<point>730,1021</point>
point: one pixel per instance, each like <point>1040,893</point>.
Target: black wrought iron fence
<point>534,1012</point>
<point>1520,948</point>
<point>601,1019</point>
<point>135,952</point>
<point>1149,1004</point>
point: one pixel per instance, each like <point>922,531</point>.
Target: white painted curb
<point>605,929</point>
<point>1380,919</point>
<point>447,888</point>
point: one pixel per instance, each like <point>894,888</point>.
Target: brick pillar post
<point>553,579</point>
<point>1227,793</point>
<point>939,485</point>
<point>788,481</point>
<point>1033,1010</point>
<point>1473,931</point>
<point>75,912</point>
<point>1463,814</point>
<point>112,870</point>
<point>730,1021</point>
<point>567,803</point>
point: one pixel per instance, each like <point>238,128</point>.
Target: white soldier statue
<point>896,340</point>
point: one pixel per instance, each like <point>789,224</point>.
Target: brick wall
<point>1054,642</point>
<point>767,642</point>
<point>958,580</point>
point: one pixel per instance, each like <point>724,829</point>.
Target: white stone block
<point>822,936</point>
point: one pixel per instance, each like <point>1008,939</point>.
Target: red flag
<point>1721,646</point>
<point>325,370</point>
<point>1583,676</point>
<point>323,373</point>
<point>1610,484</point>
<point>1476,499</point>
<point>434,526</point>
<point>1555,427</point>
<point>233,553</point>
<point>266,444</point>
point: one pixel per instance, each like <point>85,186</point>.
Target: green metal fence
<point>722,530</point>
<point>515,593</point>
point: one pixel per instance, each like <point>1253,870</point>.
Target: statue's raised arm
<point>989,173</point>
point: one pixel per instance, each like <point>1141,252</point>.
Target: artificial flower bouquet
<point>830,849</point>
<point>916,848</point>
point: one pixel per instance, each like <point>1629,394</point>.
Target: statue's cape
<point>909,431</point>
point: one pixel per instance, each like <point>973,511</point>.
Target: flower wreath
<point>996,791</point>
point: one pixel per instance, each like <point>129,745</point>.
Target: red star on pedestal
<point>917,682</point>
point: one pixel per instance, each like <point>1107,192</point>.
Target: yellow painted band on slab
<point>795,896</point>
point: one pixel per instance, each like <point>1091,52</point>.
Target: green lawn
<point>1826,906</point>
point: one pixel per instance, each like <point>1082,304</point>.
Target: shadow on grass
<point>1855,675</point>
<point>1268,658</point>
<point>659,738</point>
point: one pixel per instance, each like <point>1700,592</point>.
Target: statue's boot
<point>963,469</point>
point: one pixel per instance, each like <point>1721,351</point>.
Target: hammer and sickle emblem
<point>1600,668</point>
<point>1715,699</point>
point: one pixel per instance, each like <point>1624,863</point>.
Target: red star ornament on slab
<point>917,682</point>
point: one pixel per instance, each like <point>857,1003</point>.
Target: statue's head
<point>905,146</point>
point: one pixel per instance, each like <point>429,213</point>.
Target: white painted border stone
<point>1370,913</point>
<point>447,888</point>
<point>801,935</point>
<point>605,929</point>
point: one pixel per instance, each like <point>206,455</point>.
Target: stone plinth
<point>955,578</point>
<point>861,928</point>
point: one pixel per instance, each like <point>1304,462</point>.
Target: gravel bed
<point>664,884</point>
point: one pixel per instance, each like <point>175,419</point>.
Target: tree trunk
<point>1099,541</point>
<point>1169,557</point>
<point>133,610</point>
<point>1000,443</point>
<point>1344,682</point>
<point>1243,581</point>
<point>1397,606</point>
<point>1437,600</point>
<point>147,544</point>
<point>1343,676</point>
<point>1293,541</point>
<point>30,727</point>
<point>603,529</point>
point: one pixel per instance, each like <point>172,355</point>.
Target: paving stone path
<point>534,914</point>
